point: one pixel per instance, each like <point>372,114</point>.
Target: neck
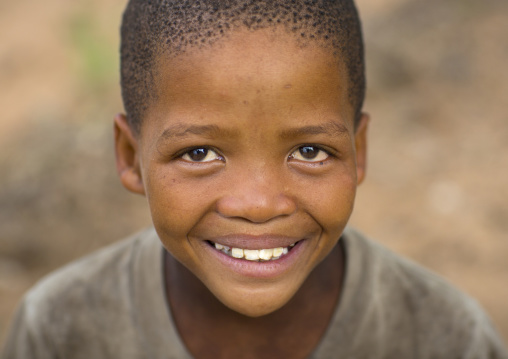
<point>210,329</point>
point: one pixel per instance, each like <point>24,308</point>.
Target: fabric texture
<point>112,304</point>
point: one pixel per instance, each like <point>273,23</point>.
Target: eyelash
<point>319,149</point>
<point>293,156</point>
<point>188,151</point>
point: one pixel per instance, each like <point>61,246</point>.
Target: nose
<point>256,196</point>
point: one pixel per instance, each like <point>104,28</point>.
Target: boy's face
<point>250,144</point>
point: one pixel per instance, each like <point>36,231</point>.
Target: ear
<point>127,156</point>
<point>361,147</point>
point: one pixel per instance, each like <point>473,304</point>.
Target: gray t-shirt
<point>112,304</point>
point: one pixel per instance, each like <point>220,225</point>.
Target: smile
<point>255,255</point>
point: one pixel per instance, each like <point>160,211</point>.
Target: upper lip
<point>248,241</point>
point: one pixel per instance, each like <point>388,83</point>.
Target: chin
<point>256,310</point>
<point>255,302</point>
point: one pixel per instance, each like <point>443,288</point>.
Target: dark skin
<point>293,331</point>
<point>250,104</point>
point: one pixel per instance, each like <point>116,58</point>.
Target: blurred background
<point>436,189</point>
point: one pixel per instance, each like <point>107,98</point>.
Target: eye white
<point>318,155</point>
<point>201,155</point>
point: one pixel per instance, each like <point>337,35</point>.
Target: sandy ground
<point>438,164</point>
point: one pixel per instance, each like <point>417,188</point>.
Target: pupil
<point>198,154</point>
<point>309,152</point>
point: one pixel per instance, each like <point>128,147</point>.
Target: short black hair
<point>154,27</point>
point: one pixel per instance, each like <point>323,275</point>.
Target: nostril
<point>256,208</point>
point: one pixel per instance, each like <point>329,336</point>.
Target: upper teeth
<point>254,254</point>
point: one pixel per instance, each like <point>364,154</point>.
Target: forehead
<point>269,66</point>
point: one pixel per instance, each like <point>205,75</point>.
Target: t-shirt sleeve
<point>28,338</point>
<point>398,309</point>
<point>485,341</point>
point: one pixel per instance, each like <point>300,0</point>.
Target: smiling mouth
<point>254,255</point>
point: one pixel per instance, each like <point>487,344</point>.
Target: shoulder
<point>97,274</point>
<point>421,289</point>
<point>81,302</point>
<point>401,274</point>
<point>415,302</point>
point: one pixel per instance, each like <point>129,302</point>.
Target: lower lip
<point>262,270</point>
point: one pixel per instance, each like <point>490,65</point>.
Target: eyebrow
<point>181,130</point>
<point>330,128</point>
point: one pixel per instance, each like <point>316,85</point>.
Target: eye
<point>309,154</point>
<point>201,154</point>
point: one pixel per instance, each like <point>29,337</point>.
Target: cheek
<point>175,205</point>
<point>332,202</point>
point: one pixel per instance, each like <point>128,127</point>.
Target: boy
<point>245,132</point>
